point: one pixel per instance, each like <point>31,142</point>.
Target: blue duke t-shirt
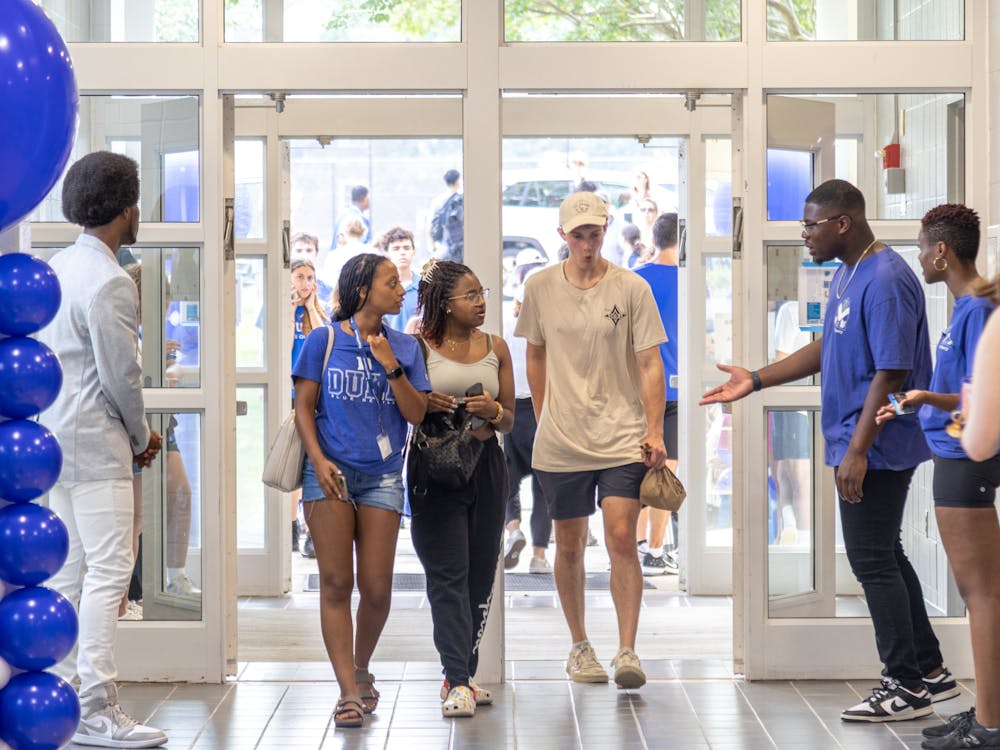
<point>662,279</point>
<point>347,410</point>
<point>955,351</point>
<point>878,323</point>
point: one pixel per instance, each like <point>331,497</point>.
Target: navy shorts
<point>963,483</point>
<point>670,429</point>
<point>377,491</point>
<point>570,494</point>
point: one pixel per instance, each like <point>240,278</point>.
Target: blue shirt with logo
<point>662,279</point>
<point>400,319</point>
<point>877,323</point>
<point>955,351</point>
<point>348,407</point>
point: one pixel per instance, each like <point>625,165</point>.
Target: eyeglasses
<point>648,210</point>
<point>811,224</point>
<point>473,296</point>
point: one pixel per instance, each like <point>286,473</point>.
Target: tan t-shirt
<point>592,416</point>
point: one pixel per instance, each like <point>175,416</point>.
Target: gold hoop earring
<point>943,260</point>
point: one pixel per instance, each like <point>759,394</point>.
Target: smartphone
<point>896,399</point>
<point>476,389</point>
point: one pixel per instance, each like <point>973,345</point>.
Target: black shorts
<point>670,429</point>
<point>790,435</point>
<point>962,483</point>
<point>570,494</point>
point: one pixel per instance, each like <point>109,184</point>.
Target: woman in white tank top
<point>457,534</point>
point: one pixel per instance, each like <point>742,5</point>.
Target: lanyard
<point>369,376</point>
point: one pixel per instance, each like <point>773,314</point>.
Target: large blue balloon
<point>29,292</point>
<point>30,377</point>
<point>38,628</point>
<point>38,711</point>
<point>30,460</point>
<point>33,544</point>
<point>38,108</point>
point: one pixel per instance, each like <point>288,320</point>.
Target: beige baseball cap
<point>581,209</point>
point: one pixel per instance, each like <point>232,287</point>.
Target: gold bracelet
<point>499,416</point>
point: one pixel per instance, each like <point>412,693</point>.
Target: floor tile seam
<point>263,731</point>
<point>694,713</point>
<point>814,712</point>
<point>753,710</point>
<point>576,719</point>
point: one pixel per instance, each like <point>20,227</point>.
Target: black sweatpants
<point>457,538</point>
<point>517,447</point>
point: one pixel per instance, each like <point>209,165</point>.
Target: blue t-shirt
<point>955,351</point>
<point>400,319</point>
<point>662,280</point>
<point>879,323</point>
<point>299,338</point>
<point>347,410</point>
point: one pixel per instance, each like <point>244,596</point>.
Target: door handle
<point>286,243</point>
<point>228,222</point>
<point>241,408</point>
<point>737,228</point>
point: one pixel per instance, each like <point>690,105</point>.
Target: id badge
<point>384,445</point>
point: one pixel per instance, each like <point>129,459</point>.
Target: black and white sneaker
<point>969,734</point>
<point>955,722</point>
<point>942,687</point>
<point>673,561</point>
<point>890,702</point>
<point>653,565</point>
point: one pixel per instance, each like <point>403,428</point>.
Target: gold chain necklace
<point>840,292</point>
<point>453,344</point>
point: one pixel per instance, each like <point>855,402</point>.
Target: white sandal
<point>483,696</point>
<point>460,702</point>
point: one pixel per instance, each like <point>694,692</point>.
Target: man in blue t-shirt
<point>874,342</point>
<point>397,244</point>
<point>661,275</point>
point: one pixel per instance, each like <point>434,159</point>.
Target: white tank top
<point>455,378</point>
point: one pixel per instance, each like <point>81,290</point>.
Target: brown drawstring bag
<point>661,488</point>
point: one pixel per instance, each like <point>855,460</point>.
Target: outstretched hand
<point>739,385</point>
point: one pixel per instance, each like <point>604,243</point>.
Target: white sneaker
<point>540,566</point>
<point>512,548</point>
<point>890,702</point>
<point>112,727</point>
<point>582,665</point>
<point>133,611</point>
<point>628,670</point>
<point>181,585</point>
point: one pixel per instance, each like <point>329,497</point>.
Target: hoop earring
<point>943,260</point>
<point>447,311</point>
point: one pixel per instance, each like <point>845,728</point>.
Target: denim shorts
<point>374,490</point>
<point>570,494</point>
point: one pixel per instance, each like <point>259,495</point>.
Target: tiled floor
<point>685,705</point>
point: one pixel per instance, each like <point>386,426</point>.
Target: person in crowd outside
<point>305,246</point>
<point>596,379</point>
<point>448,220</point>
<point>648,211</point>
<point>661,275</point>
<point>874,343</point>
<point>634,252</point>
<point>359,210</point>
<point>518,445</point>
<point>308,314</point>
<point>99,419</point>
<point>578,164</point>
<point>457,533</point>
<point>353,414</point>
<point>397,243</point>
<point>964,490</point>
<point>350,244</point>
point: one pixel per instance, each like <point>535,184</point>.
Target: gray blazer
<point>98,417</point>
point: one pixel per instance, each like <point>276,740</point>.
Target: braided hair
<point>437,282</point>
<point>358,273</point>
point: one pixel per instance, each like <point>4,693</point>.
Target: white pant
<point>98,516</point>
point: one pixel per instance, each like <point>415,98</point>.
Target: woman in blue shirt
<point>353,413</point>
<point>964,490</point>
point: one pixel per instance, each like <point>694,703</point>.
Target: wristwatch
<point>393,374</point>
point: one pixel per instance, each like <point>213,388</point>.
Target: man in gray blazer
<point>99,420</point>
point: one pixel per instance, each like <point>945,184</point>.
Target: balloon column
<point>38,627</point>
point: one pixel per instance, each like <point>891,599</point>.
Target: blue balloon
<point>30,460</point>
<point>29,292</point>
<point>30,377</point>
<point>33,544</point>
<point>38,628</point>
<point>38,109</point>
<point>38,711</point>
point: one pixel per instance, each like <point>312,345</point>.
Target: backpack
<point>449,220</point>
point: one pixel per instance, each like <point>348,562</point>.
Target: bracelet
<point>499,416</point>
<point>755,377</point>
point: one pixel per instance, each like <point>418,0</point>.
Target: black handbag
<point>443,452</point>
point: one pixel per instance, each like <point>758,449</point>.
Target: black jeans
<point>906,643</point>
<point>457,538</point>
<point>517,446</point>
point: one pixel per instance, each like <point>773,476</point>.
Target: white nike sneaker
<point>890,702</point>
<point>112,727</point>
